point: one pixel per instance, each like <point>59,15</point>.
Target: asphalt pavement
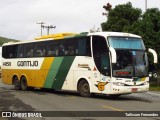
<point>49,100</point>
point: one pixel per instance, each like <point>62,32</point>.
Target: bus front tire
<point>84,89</point>
<point>16,83</point>
<point>23,83</point>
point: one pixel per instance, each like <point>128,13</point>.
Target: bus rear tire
<point>16,83</point>
<point>24,85</point>
<point>84,89</point>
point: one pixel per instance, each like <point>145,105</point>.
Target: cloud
<point>19,17</point>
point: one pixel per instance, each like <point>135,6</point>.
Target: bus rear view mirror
<point>113,55</point>
<point>154,55</point>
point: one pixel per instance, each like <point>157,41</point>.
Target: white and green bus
<point>110,63</point>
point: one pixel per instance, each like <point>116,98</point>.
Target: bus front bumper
<point>129,89</point>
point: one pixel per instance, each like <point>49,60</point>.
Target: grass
<point>154,88</point>
<point>4,40</point>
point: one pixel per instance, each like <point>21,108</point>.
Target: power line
<point>48,28</point>
<point>41,23</point>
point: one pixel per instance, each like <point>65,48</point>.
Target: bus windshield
<point>131,57</point>
<point>126,43</point>
<point>130,63</point>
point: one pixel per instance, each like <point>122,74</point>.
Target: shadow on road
<point>44,91</point>
<point>127,97</point>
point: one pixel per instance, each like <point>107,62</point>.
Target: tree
<point>151,28</point>
<point>121,17</point>
<point>125,18</point>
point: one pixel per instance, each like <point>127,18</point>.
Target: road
<point>48,100</point>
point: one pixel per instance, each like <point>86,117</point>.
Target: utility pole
<point>145,5</point>
<point>48,28</point>
<point>41,23</point>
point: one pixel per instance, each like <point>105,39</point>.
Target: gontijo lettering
<point>27,63</point>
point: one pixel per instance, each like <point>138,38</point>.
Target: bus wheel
<point>16,83</point>
<point>24,85</point>
<point>83,88</point>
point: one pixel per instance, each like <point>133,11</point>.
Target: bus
<point>0,59</point>
<point>111,63</point>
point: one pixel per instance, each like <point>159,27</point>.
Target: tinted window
<point>52,48</point>
<point>20,53</point>
<point>40,49</point>
<point>67,47</point>
<point>126,43</point>
<point>4,52</point>
<point>28,50</point>
<point>82,46</point>
<point>101,55</point>
<point>9,51</point>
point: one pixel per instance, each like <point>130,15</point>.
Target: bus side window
<point>5,53</point>
<point>40,49</point>
<point>82,46</point>
<point>20,51</point>
<point>88,47</point>
<point>12,50</point>
<point>67,47</point>
<point>71,50</point>
<point>28,50</point>
<point>9,51</point>
<point>62,49</point>
<point>70,47</point>
<point>52,48</point>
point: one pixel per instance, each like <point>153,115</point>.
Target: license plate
<point>134,89</point>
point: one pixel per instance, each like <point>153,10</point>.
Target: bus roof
<point>63,35</point>
<point>55,36</point>
<point>106,34</point>
<point>72,35</point>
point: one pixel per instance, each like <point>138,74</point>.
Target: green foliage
<point>120,17</point>
<point>5,40</point>
<point>154,88</point>
<point>126,18</point>
<point>149,29</point>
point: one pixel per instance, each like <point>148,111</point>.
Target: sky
<point>19,18</point>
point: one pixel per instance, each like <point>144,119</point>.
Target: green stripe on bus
<point>62,72</point>
<point>53,72</point>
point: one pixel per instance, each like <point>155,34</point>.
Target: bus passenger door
<point>96,76</point>
<point>102,64</point>
<point>105,73</point>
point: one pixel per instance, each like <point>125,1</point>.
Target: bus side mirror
<point>154,55</point>
<point>113,55</point>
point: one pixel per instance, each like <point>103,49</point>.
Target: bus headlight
<point>118,83</point>
<point>146,83</point>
